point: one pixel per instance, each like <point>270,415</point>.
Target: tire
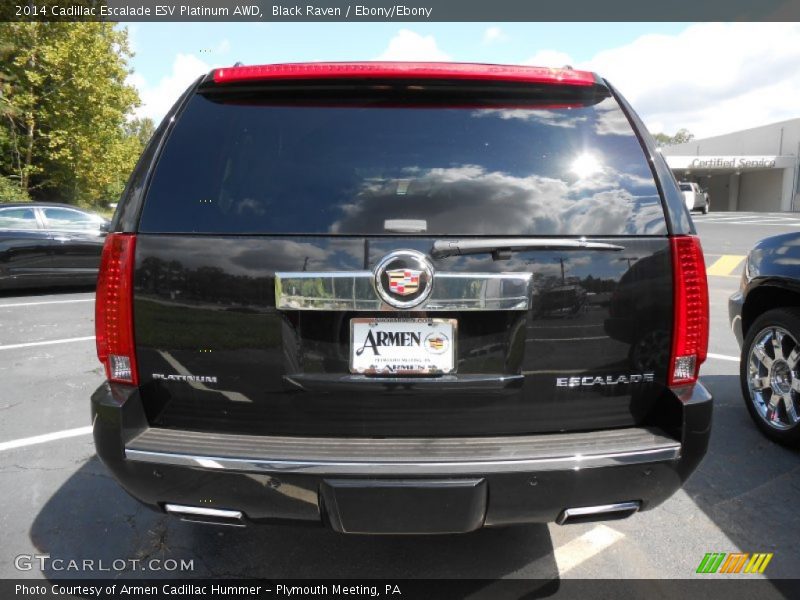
<point>706,208</point>
<point>770,377</point>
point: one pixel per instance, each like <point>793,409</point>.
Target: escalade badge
<point>404,279</point>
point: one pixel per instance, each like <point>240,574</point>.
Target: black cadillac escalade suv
<point>401,298</point>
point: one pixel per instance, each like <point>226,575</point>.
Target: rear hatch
<point>266,288</point>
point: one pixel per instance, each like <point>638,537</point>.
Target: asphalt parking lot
<point>58,499</point>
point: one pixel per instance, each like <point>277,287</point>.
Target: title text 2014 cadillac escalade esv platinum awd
<point>401,298</point>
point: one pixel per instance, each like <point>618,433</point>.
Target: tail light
<point>690,325</point>
<point>114,309</point>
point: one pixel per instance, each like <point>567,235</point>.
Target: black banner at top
<point>398,10</point>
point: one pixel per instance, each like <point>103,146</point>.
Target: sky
<point>710,78</point>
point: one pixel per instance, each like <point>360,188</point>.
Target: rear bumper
<point>397,485</point>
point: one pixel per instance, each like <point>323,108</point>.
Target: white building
<point>751,170</point>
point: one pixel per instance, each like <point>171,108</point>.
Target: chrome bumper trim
<point>608,510</point>
<point>210,516</point>
<point>332,467</point>
<point>355,291</point>
<point>201,511</point>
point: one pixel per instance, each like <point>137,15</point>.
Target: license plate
<point>402,346</point>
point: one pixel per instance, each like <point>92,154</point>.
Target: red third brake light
<point>690,325</point>
<point>404,70</point>
<point>113,320</point>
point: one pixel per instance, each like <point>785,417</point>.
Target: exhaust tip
<point>603,512</point>
<point>202,514</point>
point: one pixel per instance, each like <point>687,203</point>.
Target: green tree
<point>681,137</point>
<point>66,106</point>
<point>142,129</point>
<point>10,158</point>
<point>10,191</point>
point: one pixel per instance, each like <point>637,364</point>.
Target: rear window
<point>685,187</point>
<point>250,167</point>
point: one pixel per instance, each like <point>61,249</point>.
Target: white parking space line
<point>582,548</point>
<point>726,218</point>
<point>765,223</point>
<point>567,557</point>
<point>770,224</point>
<point>755,221</point>
<point>747,220</point>
<point>47,437</point>
<point>47,343</point>
<point>723,357</point>
<point>745,215</point>
<point>17,304</point>
<point>753,218</point>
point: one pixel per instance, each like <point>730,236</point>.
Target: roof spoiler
<point>405,70</point>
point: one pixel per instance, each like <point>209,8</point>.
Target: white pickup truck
<point>695,198</point>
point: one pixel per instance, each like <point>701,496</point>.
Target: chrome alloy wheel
<point>773,377</point>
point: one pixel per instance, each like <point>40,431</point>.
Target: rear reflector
<point>690,325</point>
<point>405,70</point>
<point>114,309</point>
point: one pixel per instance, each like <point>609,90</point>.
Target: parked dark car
<point>48,244</point>
<point>765,317</point>
<point>321,303</point>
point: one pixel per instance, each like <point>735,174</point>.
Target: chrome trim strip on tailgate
<point>423,457</point>
<point>354,291</point>
<point>565,463</point>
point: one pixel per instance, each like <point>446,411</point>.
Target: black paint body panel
<point>205,306</point>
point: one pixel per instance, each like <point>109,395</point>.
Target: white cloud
<point>549,58</point>
<point>711,78</point>
<point>656,126</point>
<point>158,99</point>
<point>602,202</point>
<point>549,117</point>
<point>494,35</point>
<point>409,45</point>
<point>133,37</point>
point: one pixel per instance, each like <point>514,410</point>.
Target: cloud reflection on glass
<point>463,171</point>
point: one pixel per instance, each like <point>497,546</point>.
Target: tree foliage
<point>65,107</point>
<point>681,137</point>
<point>10,191</point>
<point>142,129</point>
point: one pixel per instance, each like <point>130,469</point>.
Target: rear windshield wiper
<point>503,247</point>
